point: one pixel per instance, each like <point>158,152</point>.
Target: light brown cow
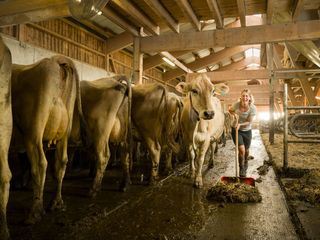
<point>5,134</point>
<point>155,115</point>
<point>202,120</point>
<point>101,100</point>
<point>44,96</point>
<point>105,109</point>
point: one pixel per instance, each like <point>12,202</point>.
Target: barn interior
<point>261,45</point>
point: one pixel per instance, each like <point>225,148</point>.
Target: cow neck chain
<point>198,118</point>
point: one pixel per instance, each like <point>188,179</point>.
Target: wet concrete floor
<point>172,209</point>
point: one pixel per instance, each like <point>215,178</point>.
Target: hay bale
<point>233,193</point>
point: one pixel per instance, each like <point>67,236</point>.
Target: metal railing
<point>306,138</point>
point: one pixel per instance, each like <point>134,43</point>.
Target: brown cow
<point>101,100</point>
<point>5,134</point>
<point>202,121</point>
<point>155,115</point>
<point>44,96</point>
<point>105,109</point>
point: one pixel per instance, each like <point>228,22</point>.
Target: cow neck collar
<point>193,109</point>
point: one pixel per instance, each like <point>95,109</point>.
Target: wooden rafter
<point>270,10</point>
<point>232,37</point>
<point>176,62</point>
<point>156,60</point>
<point>242,12</point>
<point>120,21</point>
<point>211,59</point>
<point>130,9</point>
<point>35,15</point>
<point>240,64</point>
<point>232,75</point>
<point>214,8</point>
<point>119,42</point>
<point>305,84</point>
<point>157,7</point>
<point>297,8</point>
<point>188,11</point>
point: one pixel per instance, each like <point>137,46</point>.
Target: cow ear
<point>221,89</point>
<point>182,87</point>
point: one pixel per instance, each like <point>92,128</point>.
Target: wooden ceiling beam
<point>214,8</point>
<point>156,60</point>
<point>242,12</point>
<point>176,62</point>
<point>130,9</point>
<point>297,8</point>
<point>240,64</point>
<point>270,10</point>
<point>119,42</point>
<point>211,59</point>
<point>157,7</point>
<point>232,75</point>
<point>188,11</point>
<point>14,7</point>
<point>35,15</point>
<point>120,21</point>
<point>232,37</point>
<point>305,84</point>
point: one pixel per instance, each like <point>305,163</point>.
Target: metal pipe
<point>303,141</point>
<point>285,123</point>
<point>303,107</point>
<point>298,71</point>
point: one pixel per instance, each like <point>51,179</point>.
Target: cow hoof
<point>168,171</point>
<point>34,217</point>
<point>198,183</point>
<point>4,233</point>
<point>210,165</point>
<point>92,193</point>
<point>57,205</point>
<point>153,181</point>
<point>124,185</point>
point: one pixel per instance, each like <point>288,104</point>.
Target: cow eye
<point>194,91</point>
<point>213,93</point>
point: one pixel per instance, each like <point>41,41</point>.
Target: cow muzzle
<point>207,115</point>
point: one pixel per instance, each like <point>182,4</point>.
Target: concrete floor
<point>173,209</point>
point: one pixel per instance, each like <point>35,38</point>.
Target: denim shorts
<point>244,137</point>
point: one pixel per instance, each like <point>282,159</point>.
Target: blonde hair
<point>246,90</point>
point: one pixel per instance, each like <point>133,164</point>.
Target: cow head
<point>202,94</point>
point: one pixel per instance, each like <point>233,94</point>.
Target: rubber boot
<point>242,168</point>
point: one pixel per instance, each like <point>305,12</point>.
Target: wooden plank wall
<point>64,37</point>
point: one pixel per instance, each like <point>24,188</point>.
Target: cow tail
<point>171,124</point>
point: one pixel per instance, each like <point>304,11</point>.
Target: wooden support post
<point>137,62</point>
<point>271,88</point>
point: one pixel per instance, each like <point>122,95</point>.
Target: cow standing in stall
<point>202,121</point>
<point>105,107</point>
<point>44,96</point>
<point>5,134</point>
<point>101,100</point>
<point>155,115</point>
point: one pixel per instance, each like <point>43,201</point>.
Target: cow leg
<point>168,159</point>
<point>211,160</point>
<point>124,156</point>
<point>38,164</point>
<point>103,155</point>
<point>191,157</point>
<point>61,160</point>
<point>199,163</point>
<point>5,176</point>
<point>154,151</point>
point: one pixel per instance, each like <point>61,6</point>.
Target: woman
<point>245,111</point>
